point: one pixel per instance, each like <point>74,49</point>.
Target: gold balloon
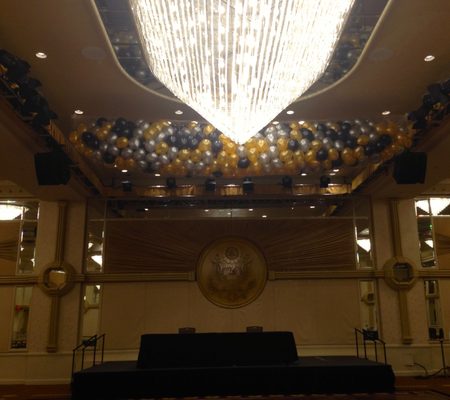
<point>252,154</point>
<point>230,147</point>
<point>359,153</point>
<point>407,142</point>
<point>74,137</point>
<point>121,142</point>
<point>208,129</point>
<point>161,148</point>
<point>262,146</point>
<point>363,140</point>
<point>294,125</point>
<point>316,144</point>
<point>233,160</point>
<point>130,163</point>
<point>177,163</point>
<point>158,126</point>
<point>204,145</point>
<point>286,155</point>
<point>255,168</point>
<point>381,127</point>
<point>299,158</point>
<point>326,165</point>
<point>295,134</point>
<point>81,128</point>
<point>183,154</point>
<point>310,156</point>
<point>314,164</point>
<point>120,162</point>
<point>222,157</point>
<point>282,143</point>
<point>333,154</point>
<point>196,155</point>
<point>88,152</point>
<point>80,147</point>
<point>102,134</point>
<point>150,133</point>
<point>290,166</point>
<point>348,157</point>
<point>250,143</point>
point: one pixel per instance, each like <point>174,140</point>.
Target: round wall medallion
<point>400,273</point>
<point>231,272</point>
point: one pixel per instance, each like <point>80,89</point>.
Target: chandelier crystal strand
<point>239,63</point>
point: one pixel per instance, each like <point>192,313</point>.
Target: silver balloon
<point>163,159</point>
<point>264,158</point>
<point>112,149</point>
<point>134,143</point>
<point>197,129</point>
<point>241,152</point>
<point>339,144</point>
<point>273,152</point>
<point>172,153</point>
<point>160,138</point>
<point>170,130</point>
<point>112,137</point>
<point>138,133</point>
<point>97,155</point>
<point>327,143</point>
<point>185,131</point>
<point>144,125</point>
<point>305,144</point>
<point>150,145</point>
<point>199,166</point>
<point>271,139</point>
<point>282,131</point>
<point>258,135</point>
<point>103,147</point>
<point>142,164</point>
<point>139,154</point>
<point>267,168</point>
<point>126,153</point>
<point>151,157</point>
<point>276,163</point>
<point>355,132</point>
<point>207,157</point>
<point>319,135</point>
<point>139,122</point>
<point>156,165</point>
<point>189,164</point>
<point>373,137</point>
<point>270,129</point>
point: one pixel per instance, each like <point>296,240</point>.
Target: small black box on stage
<point>410,167</point>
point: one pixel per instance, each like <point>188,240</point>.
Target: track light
<point>286,182</point>
<point>247,185</point>
<point>324,181</point>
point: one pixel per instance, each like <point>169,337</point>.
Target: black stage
<point>307,375</point>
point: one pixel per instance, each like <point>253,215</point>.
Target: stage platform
<point>307,375</point>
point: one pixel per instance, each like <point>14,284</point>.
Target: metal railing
<point>90,343</point>
<point>371,337</point>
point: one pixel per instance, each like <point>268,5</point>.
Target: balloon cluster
<point>26,99</point>
<point>435,106</point>
<point>201,150</point>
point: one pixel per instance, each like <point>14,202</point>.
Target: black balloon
<point>243,162</point>
<point>193,143</point>
<point>332,134</point>
<point>386,140</point>
<point>109,158</point>
<point>293,144</point>
<point>171,140</point>
<point>351,142</point>
<point>100,121</point>
<point>321,155</point>
<point>346,126</point>
<point>369,149</point>
<point>307,134</point>
<point>217,145</point>
<point>336,163</point>
<point>321,127</point>
<point>87,138</point>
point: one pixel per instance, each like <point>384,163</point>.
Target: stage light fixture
<point>286,182</point>
<point>247,185</point>
<point>127,186</point>
<point>171,183</point>
<point>324,181</point>
<point>210,185</point>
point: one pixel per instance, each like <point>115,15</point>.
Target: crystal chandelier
<point>239,63</point>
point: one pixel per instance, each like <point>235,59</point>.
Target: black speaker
<point>410,168</point>
<point>52,168</point>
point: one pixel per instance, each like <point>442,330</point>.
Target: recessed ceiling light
<point>290,112</point>
<point>124,171</point>
<point>250,209</point>
<point>386,112</point>
<point>41,54</point>
<point>78,112</point>
<point>429,58</point>
<point>145,209</point>
<point>336,170</point>
<point>179,112</point>
<point>275,122</point>
<point>157,174</point>
<point>264,216</point>
<point>303,174</point>
<point>312,206</point>
<point>206,210</point>
<point>332,173</point>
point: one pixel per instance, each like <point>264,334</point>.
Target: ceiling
<point>81,72</point>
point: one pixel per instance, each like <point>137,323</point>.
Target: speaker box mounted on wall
<point>410,168</point>
<point>52,168</point>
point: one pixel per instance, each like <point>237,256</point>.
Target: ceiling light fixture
<point>290,112</point>
<point>41,55</point>
<point>220,58</point>
<point>429,58</point>
<point>78,112</point>
<point>386,112</point>
<point>179,112</point>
